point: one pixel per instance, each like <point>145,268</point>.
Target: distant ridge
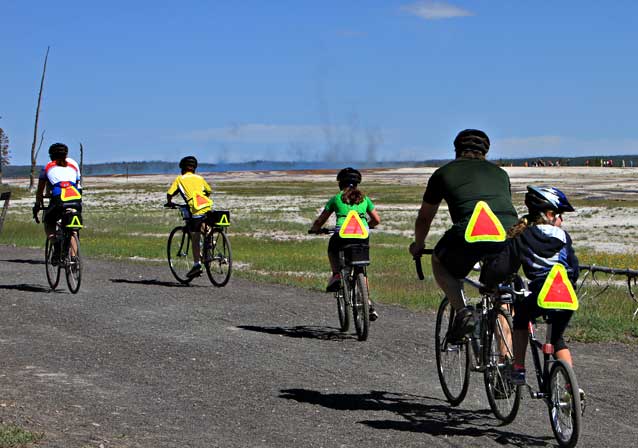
<point>162,167</point>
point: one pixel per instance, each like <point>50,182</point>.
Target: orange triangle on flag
<point>70,193</point>
<point>200,201</point>
<point>484,225</point>
<point>557,291</point>
<point>353,227</point>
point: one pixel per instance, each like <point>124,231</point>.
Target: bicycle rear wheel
<point>498,357</point>
<point>360,306</point>
<point>564,404</point>
<point>452,360</point>
<point>73,263</point>
<point>218,258</point>
<point>53,272</point>
<point>342,306</point>
<point>178,252</point>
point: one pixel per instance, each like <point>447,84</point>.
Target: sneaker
<point>373,315</point>
<point>195,271</point>
<point>517,376</point>
<point>462,326</point>
<point>333,283</point>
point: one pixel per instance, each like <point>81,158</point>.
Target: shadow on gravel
<point>18,260</point>
<point>25,287</point>
<point>417,415</point>
<point>301,331</point>
<point>149,282</point>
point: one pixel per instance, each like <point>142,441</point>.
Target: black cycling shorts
<point>458,256</point>
<point>527,310</point>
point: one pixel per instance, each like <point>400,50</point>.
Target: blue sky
<point>328,80</point>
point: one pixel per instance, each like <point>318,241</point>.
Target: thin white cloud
<point>257,133</point>
<point>432,10</point>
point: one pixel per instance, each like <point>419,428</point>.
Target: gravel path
<point>134,360</point>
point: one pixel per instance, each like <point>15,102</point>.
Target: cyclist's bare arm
<point>422,226</point>
<point>374,219</point>
<point>39,193</point>
<point>321,220</point>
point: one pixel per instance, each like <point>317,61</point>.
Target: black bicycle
<point>558,387</point>
<point>216,254</point>
<point>63,251</point>
<point>353,296</point>
<point>488,350</point>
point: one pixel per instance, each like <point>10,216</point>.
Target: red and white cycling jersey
<point>56,174</point>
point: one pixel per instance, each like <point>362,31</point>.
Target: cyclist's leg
<point>521,320</point>
<point>334,245</point>
<point>559,321</point>
<point>194,227</point>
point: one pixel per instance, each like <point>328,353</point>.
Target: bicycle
<point>67,243</point>
<point>353,296</point>
<point>215,248</point>
<point>487,350</point>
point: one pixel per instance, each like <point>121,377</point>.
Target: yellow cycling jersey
<point>195,191</point>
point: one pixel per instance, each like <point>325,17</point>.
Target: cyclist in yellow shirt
<point>195,191</point>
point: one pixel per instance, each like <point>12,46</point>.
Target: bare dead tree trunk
<point>81,159</point>
<point>35,129</point>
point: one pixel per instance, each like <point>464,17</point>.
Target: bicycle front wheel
<point>452,360</point>
<point>498,358</point>
<point>73,264</point>
<point>218,258</point>
<point>341,295</point>
<point>52,266</point>
<point>564,404</point>
<point>361,306</point>
<point>178,252</point>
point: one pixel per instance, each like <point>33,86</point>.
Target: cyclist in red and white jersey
<point>60,179</point>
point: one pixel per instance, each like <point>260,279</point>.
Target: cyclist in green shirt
<point>349,198</point>
<point>469,185</point>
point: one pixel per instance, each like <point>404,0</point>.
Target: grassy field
<point>270,242</point>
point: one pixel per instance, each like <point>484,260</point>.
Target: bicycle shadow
<point>18,260</point>
<point>27,287</point>
<point>418,416</point>
<point>302,331</point>
<point>151,282</point>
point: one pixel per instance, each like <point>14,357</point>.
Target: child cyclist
<point>195,191</point>
<point>349,198</point>
<point>536,242</point>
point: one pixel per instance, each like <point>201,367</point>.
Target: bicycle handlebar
<point>417,262</point>
<point>321,231</point>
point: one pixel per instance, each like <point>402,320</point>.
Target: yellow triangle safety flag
<point>75,223</point>
<point>353,227</point>
<point>223,221</point>
<point>484,226</point>
<point>557,292</point>
<point>70,193</point>
<point>200,201</point>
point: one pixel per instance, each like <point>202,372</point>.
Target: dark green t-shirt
<point>464,182</point>
<point>336,205</point>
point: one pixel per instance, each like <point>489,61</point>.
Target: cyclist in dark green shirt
<point>478,195</point>
<point>349,198</point>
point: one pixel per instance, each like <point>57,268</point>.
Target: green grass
<point>139,230</point>
<point>12,436</point>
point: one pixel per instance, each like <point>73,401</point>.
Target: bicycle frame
<point>541,369</point>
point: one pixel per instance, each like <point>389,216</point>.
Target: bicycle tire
<point>178,254</point>
<point>452,361</point>
<point>498,357</point>
<point>361,306</point>
<point>73,263</point>
<point>53,272</point>
<point>342,307</point>
<point>564,404</point>
<point>218,258</point>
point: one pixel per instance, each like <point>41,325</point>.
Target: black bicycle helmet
<point>472,140</point>
<point>58,151</point>
<point>188,161</point>
<point>541,199</point>
<point>349,176</point>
